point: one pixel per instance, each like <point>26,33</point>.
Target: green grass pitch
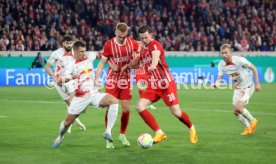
<point>30,117</point>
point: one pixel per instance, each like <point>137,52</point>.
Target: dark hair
<point>78,44</point>
<point>67,38</point>
<point>144,29</point>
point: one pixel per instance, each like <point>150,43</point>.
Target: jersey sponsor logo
<point>122,59</point>
<point>146,60</point>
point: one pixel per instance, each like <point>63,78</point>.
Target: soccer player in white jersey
<point>86,93</point>
<point>238,68</point>
<point>59,59</point>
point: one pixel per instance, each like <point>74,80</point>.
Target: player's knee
<point>113,100</point>
<point>139,107</point>
<point>237,110</point>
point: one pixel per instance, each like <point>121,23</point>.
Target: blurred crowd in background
<point>180,25</point>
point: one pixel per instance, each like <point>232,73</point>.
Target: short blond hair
<point>123,27</point>
<point>225,46</point>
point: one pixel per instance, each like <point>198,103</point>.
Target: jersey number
<point>171,97</point>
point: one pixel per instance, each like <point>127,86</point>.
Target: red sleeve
<point>107,50</point>
<point>155,46</point>
<point>135,45</point>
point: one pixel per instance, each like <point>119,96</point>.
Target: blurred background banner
<point>182,75</point>
<point>24,77</point>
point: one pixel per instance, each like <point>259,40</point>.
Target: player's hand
<point>125,67</point>
<point>97,83</point>
<point>257,87</point>
<point>59,81</point>
<point>151,68</point>
<point>134,62</point>
<point>213,86</point>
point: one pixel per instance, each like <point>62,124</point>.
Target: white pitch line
<point>194,109</point>
<point>33,101</point>
<point>216,110</point>
<point>206,102</point>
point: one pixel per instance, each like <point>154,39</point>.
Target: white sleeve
<point>220,71</point>
<point>244,62</point>
<point>91,55</point>
<point>53,59</point>
<point>68,70</point>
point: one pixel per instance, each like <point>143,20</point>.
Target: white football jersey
<point>238,70</point>
<point>59,59</point>
<point>85,71</point>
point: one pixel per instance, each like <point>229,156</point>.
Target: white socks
<point>111,117</point>
<point>62,129</point>
<point>247,114</point>
<point>159,132</point>
<point>243,120</point>
<point>192,127</point>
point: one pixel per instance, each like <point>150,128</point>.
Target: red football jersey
<point>120,55</point>
<point>140,71</point>
<point>161,73</point>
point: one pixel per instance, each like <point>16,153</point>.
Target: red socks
<point>185,119</point>
<point>150,120</point>
<point>124,122</point>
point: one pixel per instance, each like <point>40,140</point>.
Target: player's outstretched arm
<point>155,59</point>
<point>49,71</point>
<point>256,77</point>
<point>99,70</point>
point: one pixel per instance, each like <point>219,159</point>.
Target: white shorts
<point>65,89</point>
<point>243,94</point>
<point>79,104</point>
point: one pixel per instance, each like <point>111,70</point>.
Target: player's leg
<point>64,125</point>
<point>169,96</point>
<point>253,121</point>
<point>67,99</point>
<point>149,119</point>
<point>77,106</point>
<point>142,84</point>
<point>111,89</point>
<point>77,120</point>
<point>240,99</point>
<point>184,118</point>
<point>124,92</point>
<point>238,110</point>
<point>124,122</point>
<point>108,100</point>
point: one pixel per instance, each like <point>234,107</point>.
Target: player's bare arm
<point>155,59</point>
<point>256,77</point>
<point>133,64</point>
<point>114,67</point>
<point>111,65</point>
<point>49,71</point>
<point>100,70</point>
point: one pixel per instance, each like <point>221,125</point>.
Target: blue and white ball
<point>145,140</point>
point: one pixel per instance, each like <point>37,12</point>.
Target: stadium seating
<point>180,25</point>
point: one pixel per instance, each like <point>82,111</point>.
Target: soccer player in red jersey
<point>120,50</point>
<point>161,85</point>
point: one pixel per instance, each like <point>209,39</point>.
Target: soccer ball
<point>145,140</point>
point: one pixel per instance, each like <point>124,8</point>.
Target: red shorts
<point>141,77</point>
<point>142,82</point>
<point>120,90</point>
<point>169,95</point>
